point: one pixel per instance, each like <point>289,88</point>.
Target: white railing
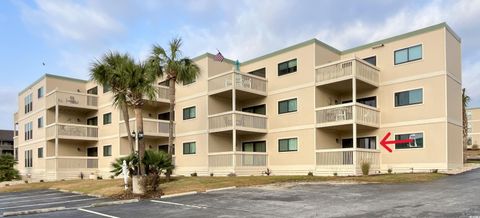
<point>343,113</point>
<point>242,159</point>
<point>345,156</point>
<point>151,127</point>
<point>72,99</point>
<point>71,162</point>
<point>15,140</point>
<point>246,82</point>
<point>242,120</point>
<point>163,93</point>
<point>64,130</point>
<point>344,68</point>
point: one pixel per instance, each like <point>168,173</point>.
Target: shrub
<point>435,171</point>
<point>112,177</point>
<point>389,170</point>
<point>81,175</point>
<point>41,180</point>
<point>310,174</point>
<point>211,174</point>
<point>194,174</point>
<point>150,183</point>
<point>26,181</point>
<point>232,175</point>
<point>99,177</point>
<point>365,168</point>
<point>267,172</point>
<point>7,170</point>
<point>335,174</point>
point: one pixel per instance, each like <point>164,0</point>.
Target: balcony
<point>15,140</point>
<point>70,167</point>
<point>72,131</point>
<point>346,161</point>
<point>342,114</point>
<point>248,122</point>
<point>151,127</point>
<point>248,163</point>
<point>72,99</point>
<point>247,85</point>
<point>345,70</point>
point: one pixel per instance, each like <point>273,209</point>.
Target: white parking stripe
<point>22,201</point>
<point>25,194</point>
<point>178,204</point>
<point>57,202</point>
<point>31,196</point>
<point>97,213</point>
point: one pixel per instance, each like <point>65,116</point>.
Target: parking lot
<point>453,196</point>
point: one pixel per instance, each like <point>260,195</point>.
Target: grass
<point>114,187</point>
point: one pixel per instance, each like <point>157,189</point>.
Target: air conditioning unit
<point>412,144</point>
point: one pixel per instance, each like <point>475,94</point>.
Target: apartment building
<point>473,127</point>
<point>6,142</point>
<point>305,108</point>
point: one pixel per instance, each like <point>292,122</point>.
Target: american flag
<point>219,57</point>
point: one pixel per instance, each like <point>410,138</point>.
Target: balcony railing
<point>343,114</point>
<point>71,163</point>
<point>241,81</point>
<point>15,140</point>
<point>72,99</point>
<point>346,69</point>
<point>151,127</point>
<point>347,160</point>
<point>72,131</point>
<point>243,120</point>
<point>163,93</point>
<point>242,159</point>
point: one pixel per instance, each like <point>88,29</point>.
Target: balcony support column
<point>56,130</point>
<point>234,123</point>
<point>354,115</point>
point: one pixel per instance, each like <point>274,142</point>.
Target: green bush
<point>310,174</point>
<point>156,163</point>
<point>365,168</point>
<point>7,170</point>
<point>389,170</point>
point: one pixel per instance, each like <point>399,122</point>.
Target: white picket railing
<point>151,127</point>
<point>72,99</point>
<point>342,113</point>
<point>344,68</point>
<point>65,130</point>
<point>242,120</point>
<point>246,82</point>
<point>71,162</point>
<point>345,156</point>
<point>163,93</point>
<point>242,159</point>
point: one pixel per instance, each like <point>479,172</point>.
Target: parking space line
<point>23,201</point>
<point>97,213</point>
<point>57,202</point>
<point>178,204</point>
<point>25,194</point>
<point>31,196</point>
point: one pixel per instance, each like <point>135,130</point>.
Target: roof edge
<point>52,76</point>
<point>210,55</point>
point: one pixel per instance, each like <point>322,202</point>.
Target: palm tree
<point>465,101</point>
<point>141,86</point>
<point>111,71</point>
<point>177,69</point>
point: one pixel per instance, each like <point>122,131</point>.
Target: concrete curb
<point>77,192</point>
<point>221,189</point>
<point>179,194</point>
<point>112,203</point>
<point>34,211</point>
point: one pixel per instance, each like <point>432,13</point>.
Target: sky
<point>68,35</point>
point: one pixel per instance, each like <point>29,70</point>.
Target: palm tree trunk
<point>170,126</point>
<point>126,118</point>
<point>141,142</point>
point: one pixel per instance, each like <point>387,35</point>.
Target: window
<point>408,54</point>
<point>164,148</point>
<point>107,118</point>
<point>257,109</point>
<point>40,152</point>
<point>189,113</point>
<point>259,146</point>
<point>469,140</point>
<point>189,148</point>
<point>416,143</point>
<point>364,142</point>
<point>28,158</point>
<point>106,88</point>
<point>166,116</point>
<point>286,145</point>
<point>287,106</point>
<point>40,122</point>
<point>107,150</point>
<point>370,101</point>
<point>28,131</point>
<point>28,103</point>
<point>92,121</point>
<point>186,82</point>
<point>92,152</point>
<point>287,67</point>
<point>93,91</point>
<point>371,60</point>
<point>40,92</point>
<point>409,97</point>
<point>259,72</point>
<point>15,154</point>
<point>165,83</point>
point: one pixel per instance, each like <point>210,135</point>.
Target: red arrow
<point>384,142</point>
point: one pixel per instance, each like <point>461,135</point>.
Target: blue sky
<point>68,35</point>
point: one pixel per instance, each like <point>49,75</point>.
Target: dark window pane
<point>371,60</point>
<point>259,72</point>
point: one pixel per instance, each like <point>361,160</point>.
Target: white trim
<point>408,90</point>
<point>412,148</point>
